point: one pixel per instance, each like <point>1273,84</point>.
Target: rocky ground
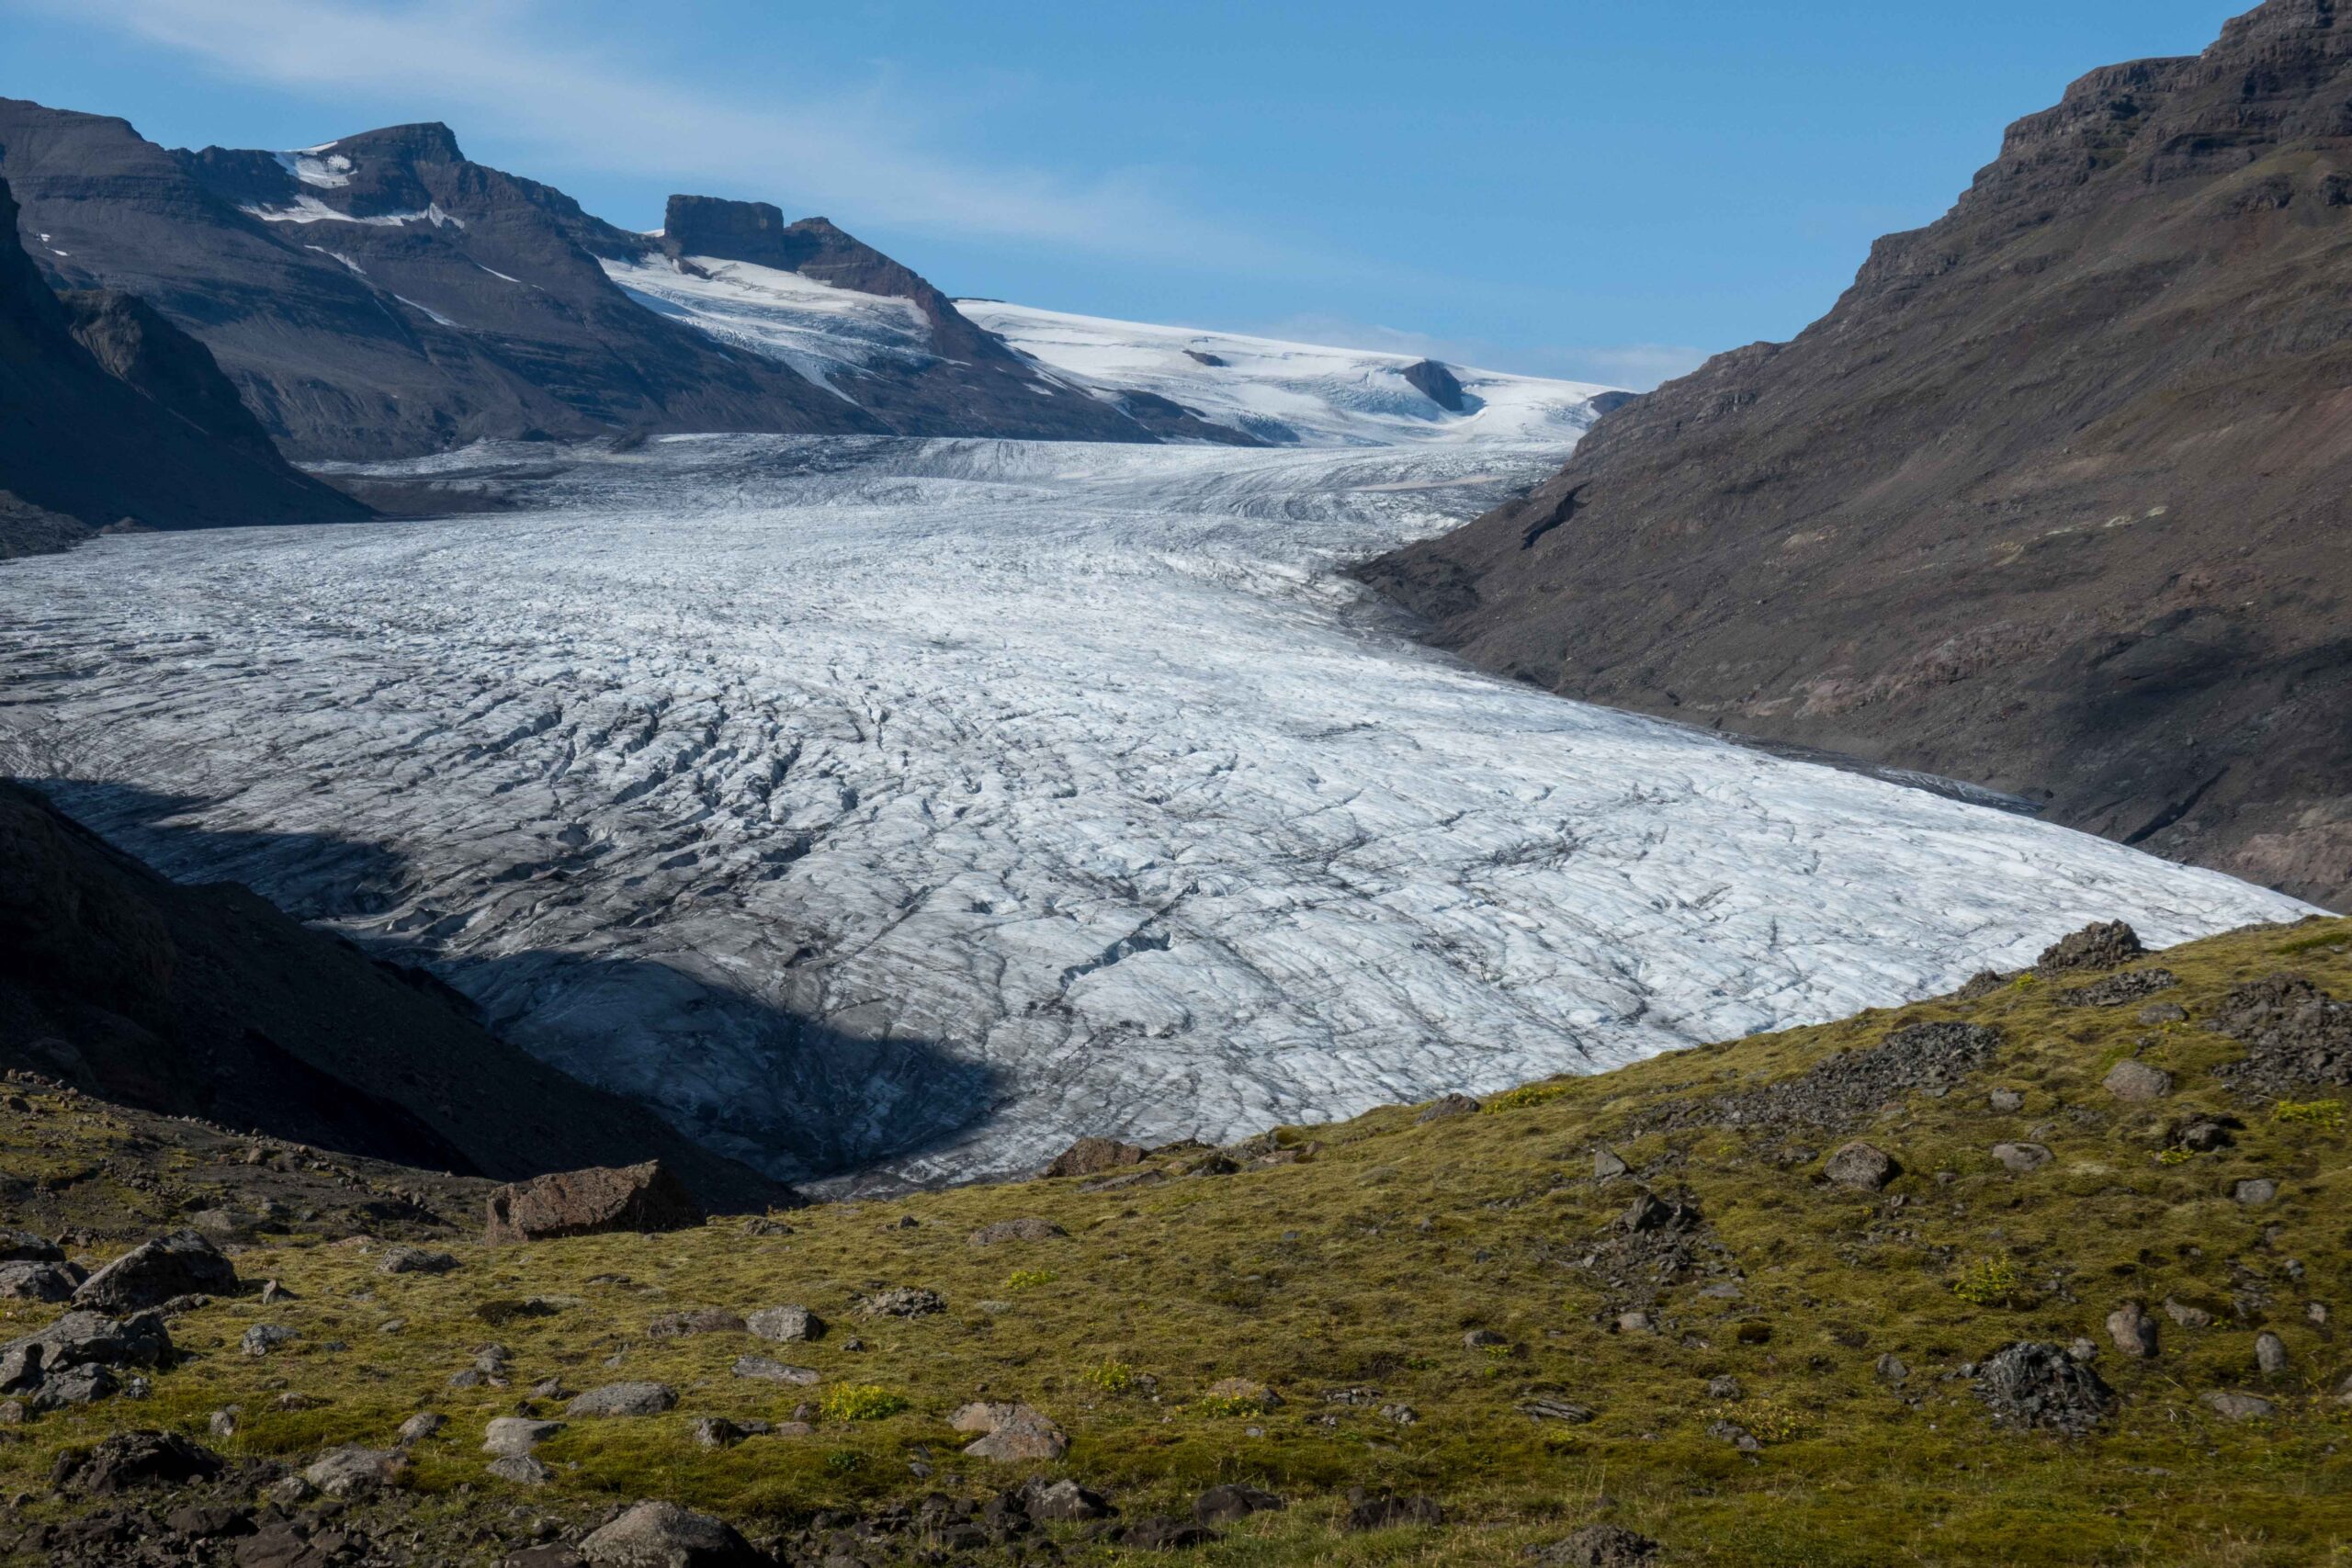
<point>2049,1270</point>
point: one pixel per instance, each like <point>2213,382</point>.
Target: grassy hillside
<point>1358,1260</point>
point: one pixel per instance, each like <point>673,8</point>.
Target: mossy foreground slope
<point>1752,1344</point>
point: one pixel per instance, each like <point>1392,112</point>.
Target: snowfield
<point>889,811</point>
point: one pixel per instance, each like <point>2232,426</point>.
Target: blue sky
<point>1604,190</point>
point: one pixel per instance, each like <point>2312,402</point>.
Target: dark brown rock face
<point>2052,500</point>
<point>108,411</point>
<point>588,1203</point>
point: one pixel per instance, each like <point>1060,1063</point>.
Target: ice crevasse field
<point>889,811</point>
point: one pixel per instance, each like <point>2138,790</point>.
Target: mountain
<point>384,296</point>
<point>207,1001</point>
<point>852,320</point>
<point>2010,1277</point>
<point>109,413</point>
<point>2052,500</point>
<point>1287,393</point>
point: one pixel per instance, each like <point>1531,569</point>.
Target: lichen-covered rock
<point>354,1472</point>
<point>599,1199</point>
<point>2136,1080</point>
<point>624,1399</point>
<point>1861,1167</point>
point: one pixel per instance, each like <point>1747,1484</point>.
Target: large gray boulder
<point>181,1264</point>
<point>663,1535</point>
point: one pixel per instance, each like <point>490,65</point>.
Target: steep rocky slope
<point>2052,500</point>
<point>2049,1271</point>
<point>108,412</point>
<point>205,1000</point>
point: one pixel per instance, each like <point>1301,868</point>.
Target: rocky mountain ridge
<point>2052,499</point>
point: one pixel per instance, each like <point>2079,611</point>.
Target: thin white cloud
<point>502,68</point>
<point>1639,365</point>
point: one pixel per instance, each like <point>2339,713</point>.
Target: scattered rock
<point>624,1399</point>
<point>1607,1166</point>
<point>353,1470</point>
<point>1889,1368</point>
<point>2233,1406</point>
<point>1725,1386</point>
<point>2296,1036</point>
<point>520,1470</point>
<point>222,1424</point>
<point>129,1459</point>
<point>415,1260</point>
<point>2163,1012</point>
<point>1448,1106</point>
<point>774,1371</point>
<point>705,1320</point>
<point>2006,1101</point>
<point>1734,1434</point>
<point>421,1426</point>
<point>2204,1137</point>
<point>263,1338</point>
<point>1543,1407</point>
<point>1224,1504</point>
<point>1062,1502</point>
<point>1387,1511</point>
<point>516,1433</point>
<point>1009,1432</point>
<point>37,1282</point>
<point>2029,1385</point>
<point>1027,1228</point>
<point>1093,1156</point>
<point>786,1324</point>
<point>590,1203</point>
<point>1651,1213</point>
<point>904,1301</point>
<point>663,1535</point>
<point>2188,1316</point>
<point>24,1246</point>
<point>2021,1157</point>
<point>1483,1339</point>
<point>2136,1080</point>
<point>2118,990</point>
<point>181,1264</point>
<point>1248,1390</point>
<point>1863,1167</point>
<point>2256,1190</point>
<point>717,1432</point>
<point>1160,1533</point>
<point>2270,1354</point>
<point>86,1338</point>
<point>2132,1330</point>
<point>2103,945</point>
<point>1597,1546</point>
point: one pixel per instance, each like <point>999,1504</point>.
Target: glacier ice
<point>886,810</point>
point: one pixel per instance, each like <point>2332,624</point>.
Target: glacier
<point>889,811</point>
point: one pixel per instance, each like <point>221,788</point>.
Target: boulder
<point>599,1199</point>
<point>421,1426</point>
<point>772,1370</point>
<point>520,1470</point>
<point>2270,1354</point>
<point>354,1472</point>
<point>511,1435</point>
<point>663,1535</point>
<point>2233,1406</point>
<point>181,1264</point>
<point>35,1282</point>
<point>1062,1502</point>
<point>2021,1157</point>
<point>1597,1546</point>
<point>1009,1432</point>
<point>2188,1316</point>
<point>1608,1165</point>
<point>263,1338</point>
<point>1863,1167</point>
<point>2255,1191</point>
<point>2135,1079</point>
<point>2006,1101</point>
<point>1027,1228</point>
<point>2102,944</point>
<point>415,1260</point>
<point>1447,1107</point>
<point>625,1399</point>
<point>2031,1385</point>
<point>786,1324</point>
<point>903,1300</point>
<point>1367,1511</point>
<point>2132,1330</point>
<point>91,1338</point>
<point>129,1459</point>
<point>25,1246</point>
<point>1223,1504</point>
<point>1092,1157</point>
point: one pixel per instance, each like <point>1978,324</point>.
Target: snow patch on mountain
<point>1290,392</point>
<point>816,328</point>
